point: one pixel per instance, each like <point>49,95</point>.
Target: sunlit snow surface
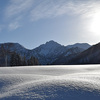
<point>50,83</point>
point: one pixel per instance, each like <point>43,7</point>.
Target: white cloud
<point>40,9</point>
<point>50,9</point>
<point>17,7</point>
<point>15,11</point>
<point>14,25</point>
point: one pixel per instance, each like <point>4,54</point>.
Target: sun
<point>95,24</point>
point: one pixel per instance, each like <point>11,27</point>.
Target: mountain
<point>7,49</point>
<point>67,56</point>
<point>11,47</point>
<point>49,53</point>
<point>52,51</point>
<point>71,52</point>
<point>79,45</point>
<point>89,56</point>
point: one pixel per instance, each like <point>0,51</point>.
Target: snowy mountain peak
<point>80,45</point>
<point>13,47</point>
<point>52,44</point>
<point>89,56</point>
<point>47,48</point>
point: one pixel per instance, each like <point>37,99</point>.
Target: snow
<point>71,82</point>
<point>68,53</point>
<point>80,45</point>
<point>48,47</point>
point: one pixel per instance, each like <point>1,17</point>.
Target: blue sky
<point>34,22</point>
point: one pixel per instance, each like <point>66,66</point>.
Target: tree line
<point>18,60</point>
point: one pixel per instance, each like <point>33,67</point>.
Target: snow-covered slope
<point>13,47</point>
<point>50,83</point>
<point>46,53</point>
<point>51,51</point>
<point>80,45</point>
<point>48,48</point>
<point>64,58</point>
<point>7,49</point>
<point>89,56</point>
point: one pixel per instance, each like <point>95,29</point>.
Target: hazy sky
<point>34,22</point>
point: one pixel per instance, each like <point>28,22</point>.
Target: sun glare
<point>95,24</point>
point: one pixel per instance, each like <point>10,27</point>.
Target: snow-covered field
<point>50,83</point>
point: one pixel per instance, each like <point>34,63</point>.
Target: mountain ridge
<point>51,41</point>
<point>46,53</point>
<point>89,56</point>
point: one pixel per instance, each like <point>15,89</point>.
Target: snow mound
<point>79,82</point>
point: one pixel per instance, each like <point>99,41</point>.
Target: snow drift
<point>77,82</point>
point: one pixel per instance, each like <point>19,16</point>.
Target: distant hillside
<point>89,56</point>
<point>79,45</point>
<point>7,50</point>
<point>52,51</point>
<point>67,56</point>
<point>49,53</point>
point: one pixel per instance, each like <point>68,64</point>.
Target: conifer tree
<point>24,62</point>
<point>15,60</point>
<point>18,60</point>
<point>32,61</point>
